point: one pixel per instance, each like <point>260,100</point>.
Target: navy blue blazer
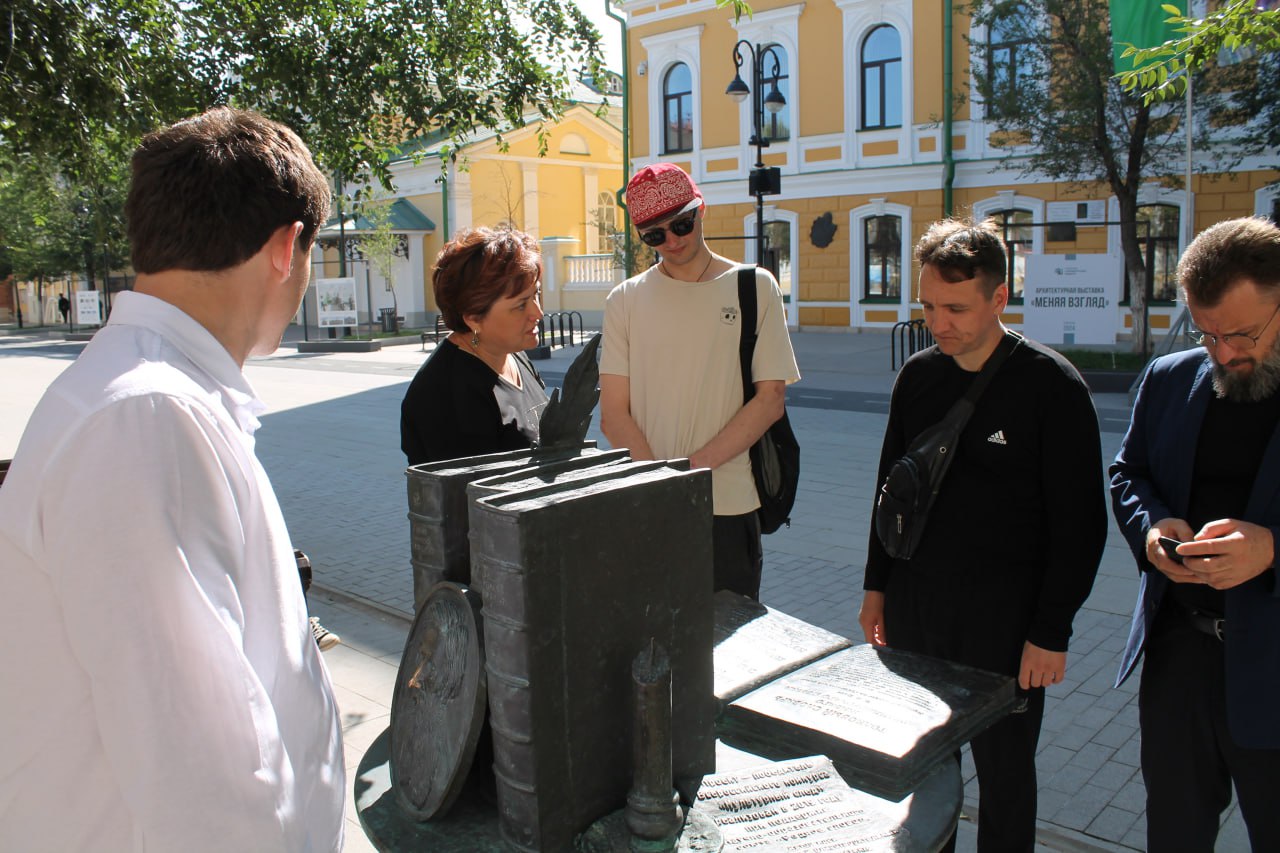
<point>1151,481</point>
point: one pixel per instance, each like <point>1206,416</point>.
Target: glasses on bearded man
<point>1235,340</point>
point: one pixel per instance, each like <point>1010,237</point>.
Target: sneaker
<point>325,638</point>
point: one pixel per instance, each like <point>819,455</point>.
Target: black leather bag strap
<point>1007,344</point>
<point>747,317</point>
<point>931,446</point>
<point>960,412</point>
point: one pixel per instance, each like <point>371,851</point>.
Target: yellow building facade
<point>557,182</point>
<point>860,149</point>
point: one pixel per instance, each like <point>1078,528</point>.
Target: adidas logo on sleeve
<point>997,437</point>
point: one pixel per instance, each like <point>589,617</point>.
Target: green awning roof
<point>405,217</point>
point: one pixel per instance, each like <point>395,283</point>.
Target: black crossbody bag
<point>775,457</point>
<point>913,481</point>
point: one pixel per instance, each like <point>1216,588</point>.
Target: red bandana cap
<point>658,191</point>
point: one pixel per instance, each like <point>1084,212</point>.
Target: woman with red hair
<point>478,393</point>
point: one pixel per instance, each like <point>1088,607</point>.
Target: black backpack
<point>775,457</point>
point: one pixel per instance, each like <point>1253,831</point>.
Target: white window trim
<point>860,18</point>
<point>1263,198</point>
<point>781,27</point>
<point>978,35</point>
<point>857,292</point>
<point>777,214</point>
<point>574,143</point>
<point>665,50</point>
<point>1010,200</point>
<point>1150,193</point>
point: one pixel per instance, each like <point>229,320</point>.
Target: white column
<point>591,189</point>
<point>554,270</point>
<point>460,200</point>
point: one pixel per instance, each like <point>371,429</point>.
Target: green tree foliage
<point>1160,73</point>
<point>353,77</point>
<point>82,80</point>
<point>1233,56</point>
<point>53,226</point>
<point>1064,116</point>
<point>76,72</point>
<point>380,243</point>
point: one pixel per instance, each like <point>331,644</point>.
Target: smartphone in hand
<point>1170,548</point>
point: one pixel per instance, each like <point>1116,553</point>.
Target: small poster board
<point>1092,212</point>
<point>337,300</point>
<point>88,308</point>
<point>1072,299</point>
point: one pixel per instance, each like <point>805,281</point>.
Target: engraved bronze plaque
<point>885,717</point>
<point>803,804</point>
<point>755,644</point>
<point>437,709</point>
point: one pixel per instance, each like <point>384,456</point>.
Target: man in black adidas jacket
<point>1015,536</point>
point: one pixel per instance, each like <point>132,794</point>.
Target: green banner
<point>1140,23</point>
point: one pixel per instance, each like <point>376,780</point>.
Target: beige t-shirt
<point>677,342</point>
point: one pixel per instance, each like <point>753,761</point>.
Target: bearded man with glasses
<point>1200,464</point>
<point>670,378</point>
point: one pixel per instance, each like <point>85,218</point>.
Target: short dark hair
<point>208,192</point>
<point>961,249</point>
<point>478,267</point>
<point>1223,254</point>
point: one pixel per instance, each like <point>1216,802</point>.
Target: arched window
<point>882,79</point>
<point>574,143</point>
<point>1018,241</point>
<point>776,125</point>
<point>606,215</point>
<point>1009,65</point>
<point>882,257</point>
<point>677,109</point>
<point>1159,241</point>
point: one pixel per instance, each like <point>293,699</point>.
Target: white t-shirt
<point>161,688</point>
<point>677,342</point>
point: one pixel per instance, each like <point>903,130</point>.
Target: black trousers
<point>1005,758</point>
<point>738,555</point>
<point>978,622</point>
<point>1189,760</point>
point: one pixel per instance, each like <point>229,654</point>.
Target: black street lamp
<point>764,180</point>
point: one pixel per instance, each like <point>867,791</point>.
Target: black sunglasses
<point>681,227</point>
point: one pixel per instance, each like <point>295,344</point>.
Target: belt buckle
<point>1217,628</point>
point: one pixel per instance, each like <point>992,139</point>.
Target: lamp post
<point>764,180</point>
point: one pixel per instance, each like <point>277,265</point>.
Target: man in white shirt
<point>165,692</point>
<point>670,374</point>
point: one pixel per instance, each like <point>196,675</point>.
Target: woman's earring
<point>475,339</point>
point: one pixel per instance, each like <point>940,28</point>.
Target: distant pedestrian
<point>1200,465</point>
<point>169,694</point>
<point>1016,533</point>
<point>64,307</point>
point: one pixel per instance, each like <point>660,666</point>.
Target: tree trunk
<point>90,269</point>
<point>1136,263</point>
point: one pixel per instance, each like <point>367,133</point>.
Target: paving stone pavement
<point>330,443</point>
